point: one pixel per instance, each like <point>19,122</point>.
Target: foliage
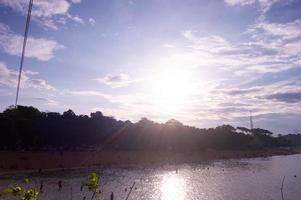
<point>28,128</point>
<point>22,193</point>
<point>93,184</point>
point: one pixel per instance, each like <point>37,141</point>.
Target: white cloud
<point>116,81</point>
<point>239,2</point>
<point>39,48</point>
<point>76,19</point>
<point>89,93</point>
<point>43,11</point>
<point>91,21</point>
<point>9,78</point>
<point>212,43</point>
<point>76,1</point>
<point>263,5</point>
<point>47,101</point>
<point>288,30</point>
<point>41,8</point>
<point>273,49</point>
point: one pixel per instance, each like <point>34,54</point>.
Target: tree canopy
<point>28,128</point>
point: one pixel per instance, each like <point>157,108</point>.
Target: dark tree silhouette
<point>27,128</point>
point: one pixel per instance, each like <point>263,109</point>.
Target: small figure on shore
<point>84,198</point>
<point>41,186</point>
<point>40,170</point>
<point>60,185</point>
<point>112,196</point>
<point>176,170</point>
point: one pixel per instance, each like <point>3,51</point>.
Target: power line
<point>23,49</point>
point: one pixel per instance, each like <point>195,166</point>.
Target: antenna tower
<point>251,121</point>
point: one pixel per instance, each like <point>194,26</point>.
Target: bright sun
<point>171,89</point>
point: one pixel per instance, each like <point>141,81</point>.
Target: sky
<point>202,62</point>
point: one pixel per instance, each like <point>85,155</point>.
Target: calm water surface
<point>254,179</point>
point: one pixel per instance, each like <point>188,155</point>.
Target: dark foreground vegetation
<point>92,187</point>
<point>27,128</point>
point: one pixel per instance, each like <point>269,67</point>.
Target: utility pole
<point>23,49</point>
<point>251,121</point>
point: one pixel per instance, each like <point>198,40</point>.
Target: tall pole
<point>23,49</point>
<point>251,121</point>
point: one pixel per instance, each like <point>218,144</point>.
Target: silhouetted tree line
<point>28,128</point>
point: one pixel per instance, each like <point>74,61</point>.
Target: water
<point>242,179</point>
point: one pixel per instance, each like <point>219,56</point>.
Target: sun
<point>171,89</point>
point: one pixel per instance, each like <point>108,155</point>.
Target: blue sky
<point>205,63</point>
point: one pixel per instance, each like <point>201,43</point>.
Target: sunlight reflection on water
<point>173,186</point>
<point>225,179</point>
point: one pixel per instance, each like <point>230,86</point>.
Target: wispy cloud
<point>89,93</point>
<point>116,81</point>
<point>267,50</point>
<point>264,5</point>
<point>239,2</point>
<point>39,48</point>
<point>44,11</point>
<point>288,97</point>
<point>91,21</point>
<point>76,19</point>
<point>8,78</point>
<point>76,1</point>
<point>47,101</point>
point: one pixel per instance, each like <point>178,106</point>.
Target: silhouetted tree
<point>27,128</point>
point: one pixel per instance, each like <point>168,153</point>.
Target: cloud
<point>239,2</point>
<point>287,97</point>
<point>285,31</point>
<point>47,101</point>
<point>242,91</point>
<point>89,93</point>
<point>44,11</point>
<point>41,8</point>
<point>212,43</point>
<point>91,21</point>
<point>76,19</point>
<point>9,78</point>
<point>267,51</point>
<point>116,81</point>
<point>261,99</point>
<point>39,48</point>
<point>76,1</point>
<point>265,5</point>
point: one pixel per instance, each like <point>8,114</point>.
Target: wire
<point>23,49</point>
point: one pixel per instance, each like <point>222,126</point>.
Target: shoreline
<point>11,161</point>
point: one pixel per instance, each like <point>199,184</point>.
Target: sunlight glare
<point>173,187</point>
<point>171,89</point>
